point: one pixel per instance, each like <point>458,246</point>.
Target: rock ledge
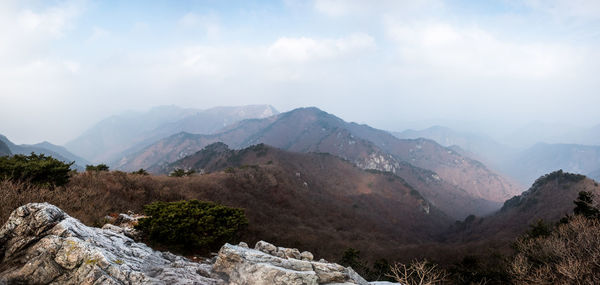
<point>41,244</point>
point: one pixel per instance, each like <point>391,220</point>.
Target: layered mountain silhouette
<point>116,136</point>
<point>4,150</point>
<point>550,198</point>
<point>449,180</point>
<point>523,166</point>
<point>46,148</point>
<point>476,146</point>
<point>544,158</point>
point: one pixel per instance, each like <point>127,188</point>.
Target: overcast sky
<point>65,65</point>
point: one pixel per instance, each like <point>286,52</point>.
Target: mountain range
<point>457,172</point>
<point>543,158</point>
<point>477,146</point>
<point>325,178</point>
<point>4,150</point>
<point>553,133</point>
<point>549,199</point>
<point>115,136</point>
<point>58,152</point>
<point>522,165</point>
<point>452,182</point>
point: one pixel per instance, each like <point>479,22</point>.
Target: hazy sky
<point>65,65</point>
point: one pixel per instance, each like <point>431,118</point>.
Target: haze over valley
<point>299,142</point>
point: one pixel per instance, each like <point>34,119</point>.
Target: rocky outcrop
<point>124,224</point>
<point>40,244</point>
<point>268,264</point>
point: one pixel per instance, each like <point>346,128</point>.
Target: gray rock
<point>265,247</point>
<point>242,266</point>
<point>267,265</point>
<point>305,255</point>
<point>40,244</point>
<point>291,253</point>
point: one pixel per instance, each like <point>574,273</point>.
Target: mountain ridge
<point>46,148</point>
<point>312,130</point>
<point>110,139</point>
<point>550,198</point>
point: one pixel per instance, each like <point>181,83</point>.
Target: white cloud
<point>334,8</point>
<point>23,32</point>
<point>340,8</point>
<point>305,49</point>
<point>568,9</point>
<point>32,80</point>
<point>53,21</point>
<point>472,51</point>
<point>378,57</point>
<point>98,34</point>
<point>208,23</point>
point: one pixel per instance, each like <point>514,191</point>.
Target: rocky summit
<point>41,244</point>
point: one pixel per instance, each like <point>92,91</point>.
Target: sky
<point>392,64</point>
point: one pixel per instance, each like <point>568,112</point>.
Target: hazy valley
<point>313,176</point>
<point>285,142</point>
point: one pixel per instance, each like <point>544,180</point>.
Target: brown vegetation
<point>550,199</point>
<point>418,273</point>
<point>460,185</point>
<point>325,217</point>
<point>320,203</point>
<point>569,255</point>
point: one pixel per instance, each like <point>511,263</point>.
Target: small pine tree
<point>99,167</point>
<point>351,258</point>
<point>584,205</point>
<point>539,229</point>
<point>178,172</point>
<point>192,225</point>
<point>140,172</point>
<point>36,169</point>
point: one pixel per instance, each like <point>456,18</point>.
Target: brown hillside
<point>462,186</point>
<point>315,202</point>
<point>550,198</point>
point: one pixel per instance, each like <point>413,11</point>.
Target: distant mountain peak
<point>553,181</point>
<point>462,180</point>
<point>117,136</point>
<point>4,149</point>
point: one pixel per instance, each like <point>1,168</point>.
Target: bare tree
<point>570,255</point>
<point>418,273</point>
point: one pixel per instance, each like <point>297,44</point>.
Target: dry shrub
<point>278,208</point>
<point>88,196</point>
<point>570,255</point>
<point>418,273</point>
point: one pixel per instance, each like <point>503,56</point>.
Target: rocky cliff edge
<point>41,244</point>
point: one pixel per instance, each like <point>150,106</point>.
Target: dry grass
<point>570,255</point>
<point>278,210</point>
<point>89,196</point>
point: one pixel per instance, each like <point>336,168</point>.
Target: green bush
<point>181,173</point>
<point>36,169</point>
<point>140,172</point>
<point>539,229</point>
<point>585,205</point>
<point>99,167</point>
<point>191,226</point>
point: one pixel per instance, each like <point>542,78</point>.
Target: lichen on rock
<point>41,244</point>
